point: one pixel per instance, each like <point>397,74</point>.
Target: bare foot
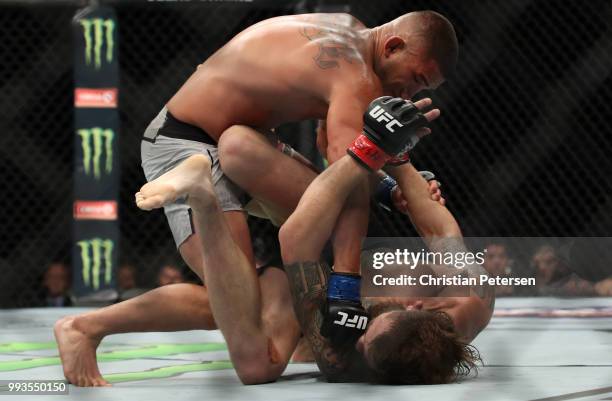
<point>191,177</point>
<point>78,354</point>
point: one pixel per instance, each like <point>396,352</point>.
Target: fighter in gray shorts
<point>166,143</point>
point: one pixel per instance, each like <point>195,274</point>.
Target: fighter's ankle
<point>88,327</point>
<point>202,201</point>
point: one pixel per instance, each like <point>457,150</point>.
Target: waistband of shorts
<point>174,128</point>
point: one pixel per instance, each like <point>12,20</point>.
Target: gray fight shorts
<point>166,143</point>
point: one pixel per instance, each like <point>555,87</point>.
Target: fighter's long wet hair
<point>421,347</point>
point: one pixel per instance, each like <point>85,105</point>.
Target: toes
<point>142,205</point>
<point>151,203</point>
<point>139,200</point>
<point>101,383</point>
<point>144,189</point>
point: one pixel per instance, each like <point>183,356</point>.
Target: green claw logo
<point>95,253</point>
<point>97,32</point>
<point>95,142</point>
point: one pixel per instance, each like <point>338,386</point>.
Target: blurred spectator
<point>604,287</point>
<point>555,278</point>
<point>497,263</point>
<point>127,283</point>
<point>170,274</point>
<point>56,285</point>
<point>126,277</point>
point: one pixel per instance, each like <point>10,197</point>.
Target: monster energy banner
<point>96,164</point>
<point>96,256</point>
<point>95,47</point>
<point>96,155</point>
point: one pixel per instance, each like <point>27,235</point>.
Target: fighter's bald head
<point>431,31</point>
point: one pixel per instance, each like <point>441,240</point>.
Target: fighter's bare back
<point>280,70</point>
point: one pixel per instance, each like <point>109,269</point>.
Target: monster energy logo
<point>101,140</point>
<point>94,253</point>
<point>96,32</point>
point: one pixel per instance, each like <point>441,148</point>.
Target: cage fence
<point>522,148</point>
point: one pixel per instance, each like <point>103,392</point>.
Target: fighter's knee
<point>287,237</point>
<point>232,145</point>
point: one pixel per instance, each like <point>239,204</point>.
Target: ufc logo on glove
<point>381,115</point>
<point>358,321</point>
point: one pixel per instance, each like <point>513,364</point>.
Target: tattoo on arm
<point>308,284</point>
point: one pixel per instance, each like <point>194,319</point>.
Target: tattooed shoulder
<point>336,39</point>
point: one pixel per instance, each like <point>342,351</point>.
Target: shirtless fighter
<point>283,69</point>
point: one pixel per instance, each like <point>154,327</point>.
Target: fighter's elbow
<point>256,369</point>
<point>256,375</point>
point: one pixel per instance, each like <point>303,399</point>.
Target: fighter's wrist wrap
<point>384,191</point>
<point>390,128</point>
<point>386,186</point>
<point>344,287</point>
<point>344,319</point>
<point>366,153</point>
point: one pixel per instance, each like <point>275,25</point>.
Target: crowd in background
<point>554,276</point>
<point>57,281</point>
